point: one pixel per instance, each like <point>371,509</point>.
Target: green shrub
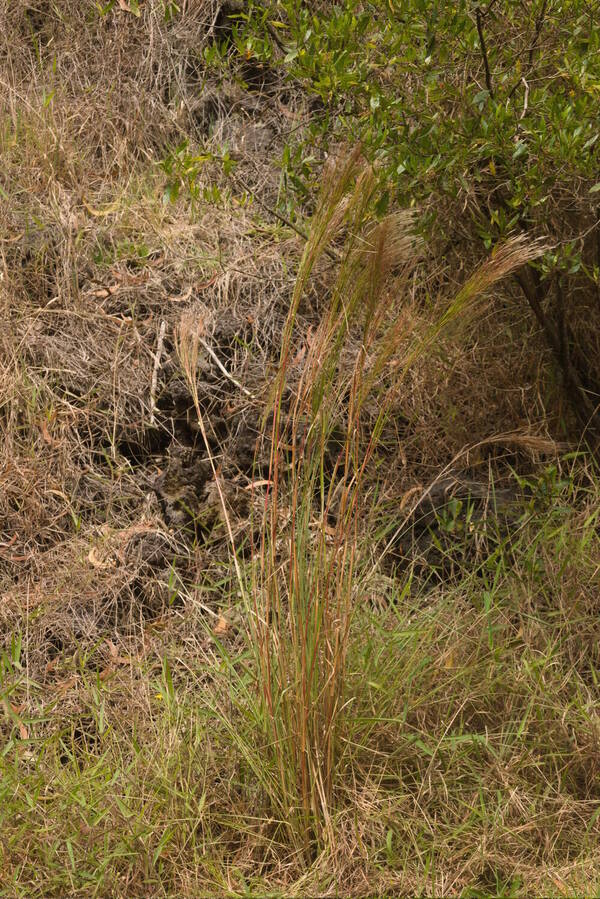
<point>483,115</point>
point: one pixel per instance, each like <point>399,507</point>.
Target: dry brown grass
<point>119,772</point>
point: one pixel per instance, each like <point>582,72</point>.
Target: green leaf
<point>595,188</point>
<point>389,841</point>
<point>124,809</point>
<point>71,854</point>
<point>164,840</point>
<point>171,192</point>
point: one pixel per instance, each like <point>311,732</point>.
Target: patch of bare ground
<point>472,761</point>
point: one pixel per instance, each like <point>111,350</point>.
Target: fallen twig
<point>218,362</point>
<point>157,358</point>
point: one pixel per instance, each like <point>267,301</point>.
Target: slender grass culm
<point>300,586</point>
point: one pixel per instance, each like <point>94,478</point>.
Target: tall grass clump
<point>324,418</point>
<point>303,584</point>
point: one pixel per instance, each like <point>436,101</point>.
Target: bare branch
<point>488,76</point>
<point>157,358</point>
<point>539,22</point>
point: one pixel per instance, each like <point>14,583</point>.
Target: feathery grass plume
<point>506,258</point>
<point>334,206</point>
